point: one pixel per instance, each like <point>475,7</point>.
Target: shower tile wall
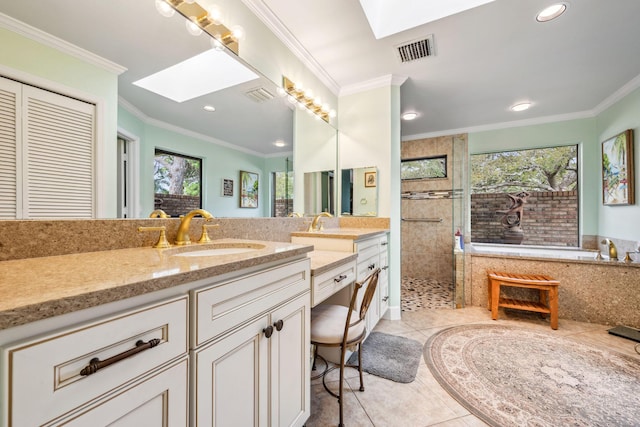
<point>427,247</point>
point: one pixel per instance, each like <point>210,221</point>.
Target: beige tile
<point>411,404</point>
<point>325,409</point>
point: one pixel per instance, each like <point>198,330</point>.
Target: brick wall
<point>283,207</point>
<point>175,205</point>
<point>550,218</point>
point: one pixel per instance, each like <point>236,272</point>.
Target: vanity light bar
<point>199,16</point>
<point>308,102</point>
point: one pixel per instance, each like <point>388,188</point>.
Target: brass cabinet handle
<point>279,324</point>
<point>96,364</point>
<point>268,331</point>
<point>340,278</point>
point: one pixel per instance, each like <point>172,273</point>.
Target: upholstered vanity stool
<point>333,326</point>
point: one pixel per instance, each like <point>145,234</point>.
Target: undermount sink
<point>218,249</point>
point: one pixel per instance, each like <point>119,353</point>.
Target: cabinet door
<point>231,379</point>
<point>290,370</point>
<point>158,400</point>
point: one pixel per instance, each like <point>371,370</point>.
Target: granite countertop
<point>322,261</point>
<point>342,233</point>
<point>553,258</point>
<point>38,288</point>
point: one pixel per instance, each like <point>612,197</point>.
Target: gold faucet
<point>158,213</point>
<point>613,252</point>
<point>316,225</point>
<point>182,238</point>
<point>295,215</point>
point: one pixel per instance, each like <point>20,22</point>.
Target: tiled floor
<point>423,402</point>
<point>418,294</point>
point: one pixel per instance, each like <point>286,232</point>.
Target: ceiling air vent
<point>416,49</point>
<point>259,94</point>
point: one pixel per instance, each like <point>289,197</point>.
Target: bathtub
<point>596,291</point>
<point>533,251</point>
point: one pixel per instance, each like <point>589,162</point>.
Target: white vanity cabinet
<point>252,347</point>
<point>372,253</point>
<point>59,378</point>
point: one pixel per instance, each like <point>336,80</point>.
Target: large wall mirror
<point>241,133</point>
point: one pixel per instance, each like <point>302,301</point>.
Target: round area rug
<point>510,376</point>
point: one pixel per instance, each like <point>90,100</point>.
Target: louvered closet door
<point>58,176</point>
<point>10,191</point>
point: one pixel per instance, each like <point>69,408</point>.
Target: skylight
<point>387,18</point>
<point>199,75</point>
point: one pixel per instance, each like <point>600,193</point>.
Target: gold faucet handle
<point>162,239</point>
<point>204,238</point>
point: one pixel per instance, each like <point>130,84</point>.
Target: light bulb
<point>238,32</point>
<point>292,99</point>
<point>332,113</point>
<point>193,28</point>
<point>281,91</point>
<point>215,14</point>
<point>217,44</point>
<point>325,108</point>
<point>308,93</point>
<point>317,101</point>
<point>164,9</point>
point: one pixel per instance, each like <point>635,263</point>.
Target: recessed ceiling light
<point>551,12</point>
<point>209,108</point>
<point>521,106</point>
<point>204,73</point>
<point>409,116</point>
<point>279,143</point>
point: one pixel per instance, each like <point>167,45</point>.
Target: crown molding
<point>382,81</point>
<point>616,96</point>
<point>54,42</point>
<point>272,22</point>
<point>186,132</point>
<point>504,125</point>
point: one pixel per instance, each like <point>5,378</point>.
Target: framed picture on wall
<point>617,170</point>
<point>227,187</point>
<point>248,189</point>
<point>370,179</point>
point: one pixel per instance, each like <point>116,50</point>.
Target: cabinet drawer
<point>47,372</point>
<point>330,282</point>
<point>367,265</point>
<point>220,307</point>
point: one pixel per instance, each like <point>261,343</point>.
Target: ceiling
<point>486,59</point>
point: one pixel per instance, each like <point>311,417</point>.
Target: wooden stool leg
<point>553,306</point>
<point>489,294</point>
<point>495,297</point>
<point>544,299</point>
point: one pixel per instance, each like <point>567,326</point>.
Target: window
<point>532,193</point>
<point>425,167</point>
<point>282,203</point>
<point>177,183</point>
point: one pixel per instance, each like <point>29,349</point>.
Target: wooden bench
<point>548,287</point>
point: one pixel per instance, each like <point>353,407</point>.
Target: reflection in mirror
<point>319,192</point>
<point>177,181</point>
<point>359,192</point>
<point>134,39</point>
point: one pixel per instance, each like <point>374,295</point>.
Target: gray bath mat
<point>389,356</point>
